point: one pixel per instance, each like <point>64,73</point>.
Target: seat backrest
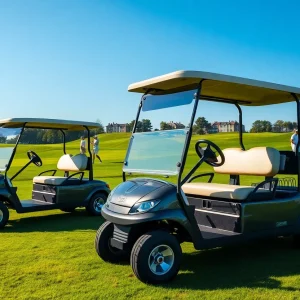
<point>75,163</point>
<point>259,161</point>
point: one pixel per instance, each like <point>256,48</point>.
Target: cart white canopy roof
<point>218,87</point>
<point>47,123</point>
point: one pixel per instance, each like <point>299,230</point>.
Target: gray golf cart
<point>65,192</point>
<point>148,218</point>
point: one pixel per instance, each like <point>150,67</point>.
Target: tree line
<point>145,125</point>
<point>142,126</point>
<point>49,136</point>
<point>278,126</point>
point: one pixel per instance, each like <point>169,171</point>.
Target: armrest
<point>202,175</point>
<point>80,178</point>
<point>54,172</point>
<point>270,183</point>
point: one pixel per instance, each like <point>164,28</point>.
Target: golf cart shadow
<point>258,265</point>
<point>78,220</point>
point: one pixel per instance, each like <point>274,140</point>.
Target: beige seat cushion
<point>67,162</point>
<point>74,163</point>
<point>259,161</point>
<point>52,180</point>
<point>218,190</point>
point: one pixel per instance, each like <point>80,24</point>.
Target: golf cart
<point>65,192</point>
<point>148,218</point>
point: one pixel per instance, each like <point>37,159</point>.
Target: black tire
<point>68,210</point>
<point>296,241</point>
<point>4,215</point>
<point>140,258</point>
<point>93,208</point>
<point>103,248</point>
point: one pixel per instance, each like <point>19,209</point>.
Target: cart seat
<point>224,191</point>
<point>258,161</point>
<point>67,163</point>
<point>52,180</point>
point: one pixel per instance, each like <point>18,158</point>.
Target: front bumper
<point>126,229</point>
<point>176,215</point>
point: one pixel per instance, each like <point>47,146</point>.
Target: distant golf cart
<point>147,219</point>
<point>50,191</point>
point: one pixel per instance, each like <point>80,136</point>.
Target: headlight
<point>110,196</point>
<point>141,207</point>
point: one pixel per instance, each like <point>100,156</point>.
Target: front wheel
<point>155,257</point>
<point>96,203</point>
<point>103,247</point>
<point>4,215</point>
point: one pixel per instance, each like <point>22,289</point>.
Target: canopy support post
<point>240,126</point>
<point>189,209</point>
<point>64,140</point>
<point>298,126</point>
<point>133,131</point>
<point>90,162</point>
<point>14,150</point>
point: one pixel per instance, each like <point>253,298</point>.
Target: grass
<point>50,255</point>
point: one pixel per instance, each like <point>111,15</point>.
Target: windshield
<point>157,149</point>
<point>8,139</point>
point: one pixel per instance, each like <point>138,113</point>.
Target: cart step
<point>215,233</point>
<point>31,203</point>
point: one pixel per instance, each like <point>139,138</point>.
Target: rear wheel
<point>155,257</point>
<point>96,203</point>
<point>4,215</point>
<point>103,247</point>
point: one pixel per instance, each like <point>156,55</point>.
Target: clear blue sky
<point>75,59</point>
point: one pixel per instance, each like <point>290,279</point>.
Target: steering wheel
<point>34,158</point>
<point>208,153</point>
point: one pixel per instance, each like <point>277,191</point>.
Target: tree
<point>295,125</point>
<point>165,126</point>
<point>142,126</point>
<point>139,127</point>
<point>201,126</point>
<point>278,126</point>
<point>129,126</point>
<point>12,140</point>
<point>267,125</point>
<point>146,125</point>
<point>261,126</point>
<point>97,130</point>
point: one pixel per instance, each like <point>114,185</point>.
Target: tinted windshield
<point>8,139</point>
<point>158,150</point>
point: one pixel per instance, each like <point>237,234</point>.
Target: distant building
<point>230,126</point>
<point>116,127</point>
<point>176,125</point>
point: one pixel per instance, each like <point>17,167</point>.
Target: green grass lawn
<point>50,255</point>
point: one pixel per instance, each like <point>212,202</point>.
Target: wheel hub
<point>98,204</point>
<point>1,215</point>
<point>161,259</point>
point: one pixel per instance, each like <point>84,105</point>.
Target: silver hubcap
<point>161,260</point>
<point>1,215</point>
<point>98,204</point>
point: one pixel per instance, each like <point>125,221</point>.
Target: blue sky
<point>75,59</point>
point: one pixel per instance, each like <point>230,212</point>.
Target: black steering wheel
<point>34,158</point>
<point>208,153</point>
